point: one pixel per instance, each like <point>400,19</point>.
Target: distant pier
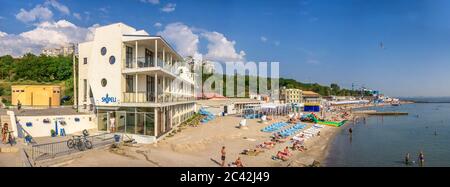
<point>375,113</point>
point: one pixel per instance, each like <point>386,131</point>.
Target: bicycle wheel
<point>80,145</point>
<point>12,141</point>
<point>88,144</point>
<point>70,144</point>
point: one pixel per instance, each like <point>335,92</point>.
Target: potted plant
<point>53,133</point>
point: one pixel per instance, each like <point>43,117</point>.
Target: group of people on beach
<point>421,159</point>
<point>237,163</point>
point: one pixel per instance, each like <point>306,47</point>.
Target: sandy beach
<point>201,145</point>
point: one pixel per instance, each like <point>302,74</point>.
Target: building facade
<point>291,95</point>
<point>36,95</point>
<point>63,50</point>
<point>310,97</point>
<point>137,79</point>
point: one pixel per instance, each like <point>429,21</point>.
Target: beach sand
<point>200,146</point>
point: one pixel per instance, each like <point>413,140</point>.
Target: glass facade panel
<point>130,123</point>
<point>150,123</point>
<point>102,122</point>
<point>140,123</point>
<point>121,121</point>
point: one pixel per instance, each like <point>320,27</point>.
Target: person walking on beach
<point>223,153</point>
<point>407,159</point>
<point>421,158</point>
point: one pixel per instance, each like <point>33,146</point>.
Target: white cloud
<point>183,39</point>
<point>221,49</point>
<point>2,34</point>
<point>155,2</point>
<point>158,24</point>
<point>187,39</point>
<point>56,34</point>
<point>77,15</point>
<point>170,7</point>
<point>37,13</point>
<point>58,6</point>
<point>263,39</point>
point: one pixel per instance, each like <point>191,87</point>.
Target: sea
<point>384,141</point>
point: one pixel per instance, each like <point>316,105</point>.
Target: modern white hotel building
<point>136,78</point>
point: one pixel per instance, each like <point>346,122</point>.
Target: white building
<point>137,78</point>
<point>63,50</point>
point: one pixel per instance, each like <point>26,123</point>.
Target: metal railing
<point>143,97</point>
<point>139,97</point>
<point>38,152</point>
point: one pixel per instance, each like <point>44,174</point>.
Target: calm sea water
<point>384,141</point>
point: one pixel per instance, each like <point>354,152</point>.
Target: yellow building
<point>291,95</point>
<point>36,95</point>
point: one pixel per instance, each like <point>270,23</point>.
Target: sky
<point>323,41</point>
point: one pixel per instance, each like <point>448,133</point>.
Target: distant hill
<point>333,89</point>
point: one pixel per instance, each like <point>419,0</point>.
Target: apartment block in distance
<point>291,95</point>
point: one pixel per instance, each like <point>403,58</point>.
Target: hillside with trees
<point>32,69</point>
<point>333,89</point>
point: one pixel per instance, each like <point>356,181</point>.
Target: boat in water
<point>395,103</point>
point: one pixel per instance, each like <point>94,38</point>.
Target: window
<point>84,60</point>
<point>129,83</point>
<point>84,90</point>
<point>112,60</point>
<point>104,82</point>
<point>129,57</point>
<point>103,51</point>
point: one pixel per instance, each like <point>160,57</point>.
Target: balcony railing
<point>139,97</point>
<point>143,62</point>
<point>145,97</point>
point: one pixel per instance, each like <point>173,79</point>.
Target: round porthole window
<point>104,82</point>
<point>112,60</point>
<point>103,51</point>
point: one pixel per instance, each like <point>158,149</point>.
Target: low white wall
<point>40,129</point>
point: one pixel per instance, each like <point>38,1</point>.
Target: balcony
<point>145,97</point>
<point>147,63</point>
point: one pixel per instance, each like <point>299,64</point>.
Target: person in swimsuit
<point>238,162</point>
<point>223,153</point>
<point>421,158</point>
<point>5,132</point>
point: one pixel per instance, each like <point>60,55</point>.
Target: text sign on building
<point>108,99</point>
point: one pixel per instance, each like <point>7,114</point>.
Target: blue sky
<point>322,41</point>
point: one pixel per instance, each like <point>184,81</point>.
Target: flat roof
<point>61,111</point>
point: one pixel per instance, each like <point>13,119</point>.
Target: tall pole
<point>75,80</point>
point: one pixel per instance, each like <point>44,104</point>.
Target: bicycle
<point>79,142</point>
<point>11,138</point>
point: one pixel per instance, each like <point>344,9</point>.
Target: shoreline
<point>200,146</point>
